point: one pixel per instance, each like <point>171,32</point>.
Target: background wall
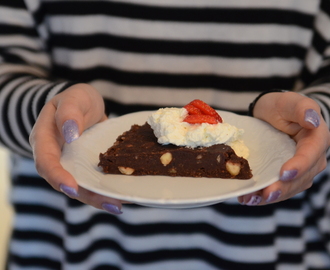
<point>5,209</point>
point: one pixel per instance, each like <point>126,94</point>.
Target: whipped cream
<point>169,128</point>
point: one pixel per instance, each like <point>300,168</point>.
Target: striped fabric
<point>145,54</point>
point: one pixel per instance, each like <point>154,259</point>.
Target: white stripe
<point>109,256</point>
<point>14,68</point>
<point>36,249</point>
<point>54,91</point>
<point>14,266</point>
<point>229,224</point>
<point>174,96</point>
<point>3,95</point>
<point>290,266</point>
<point>322,24</point>
<point>12,110</point>
<point>14,16</point>
<point>313,60</point>
<point>26,105</point>
<point>290,245</point>
<point>182,31</point>
<point>19,40</point>
<point>175,241</point>
<point>30,195</point>
<point>36,98</point>
<point>173,64</point>
<point>309,6</point>
<point>40,223</point>
<point>317,260</point>
<point>39,58</point>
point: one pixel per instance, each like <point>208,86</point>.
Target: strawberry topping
<point>200,112</point>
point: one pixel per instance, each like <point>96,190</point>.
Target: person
<point>67,65</point>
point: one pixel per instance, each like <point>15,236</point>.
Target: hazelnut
<point>233,168</point>
<point>172,170</point>
<point>125,170</point>
<point>218,158</point>
<point>166,158</point>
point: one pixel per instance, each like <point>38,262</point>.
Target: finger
<point>81,108</point>
<point>311,145</point>
<point>305,112</point>
<point>280,190</point>
<point>46,143</point>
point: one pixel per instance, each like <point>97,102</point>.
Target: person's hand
<point>299,117</point>
<point>62,120</point>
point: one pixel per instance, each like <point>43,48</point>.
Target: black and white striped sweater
<point>145,54</point>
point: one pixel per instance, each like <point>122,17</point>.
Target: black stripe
<point>290,258</point>
<point>325,6</point>
<point>193,48</point>
<point>120,109</point>
<point>10,29</point>
<point>163,255</point>
<point>184,229</point>
<point>5,117</point>
<point>13,4</point>
<point>35,262</point>
<point>318,43</point>
<point>38,210</point>
<point>32,235</point>
<point>148,79</point>
<point>185,14</point>
<point>42,98</point>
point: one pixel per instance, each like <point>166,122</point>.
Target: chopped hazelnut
<point>125,170</point>
<point>233,168</point>
<point>166,158</point>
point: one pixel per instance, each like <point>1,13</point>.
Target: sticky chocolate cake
<point>137,152</point>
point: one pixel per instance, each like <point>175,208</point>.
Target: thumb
<point>312,119</point>
<point>81,108</point>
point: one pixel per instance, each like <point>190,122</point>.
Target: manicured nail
<point>70,131</point>
<point>288,175</point>
<point>312,117</point>
<point>273,196</point>
<point>111,208</point>
<point>69,191</point>
<point>255,200</point>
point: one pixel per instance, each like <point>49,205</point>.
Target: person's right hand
<point>61,120</point>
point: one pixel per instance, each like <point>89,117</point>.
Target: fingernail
<point>288,175</point>
<point>255,200</point>
<point>70,131</point>
<point>273,196</point>
<point>312,117</point>
<point>69,191</point>
<point>111,208</point>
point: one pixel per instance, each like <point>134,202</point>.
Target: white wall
<point>5,209</point>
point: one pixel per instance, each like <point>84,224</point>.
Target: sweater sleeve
<point>24,76</point>
<point>318,62</point>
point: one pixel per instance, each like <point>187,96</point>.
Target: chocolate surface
<point>137,152</point>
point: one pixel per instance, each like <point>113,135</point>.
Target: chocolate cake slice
<point>137,152</point>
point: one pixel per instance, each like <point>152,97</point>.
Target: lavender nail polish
<point>255,200</point>
<point>288,175</point>
<point>70,131</point>
<point>312,117</point>
<point>111,208</point>
<point>69,191</point>
<point>273,196</point>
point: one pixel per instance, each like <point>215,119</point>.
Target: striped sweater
<point>145,54</point>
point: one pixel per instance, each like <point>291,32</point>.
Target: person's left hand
<point>299,117</point>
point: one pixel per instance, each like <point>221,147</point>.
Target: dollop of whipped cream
<point>169,128</point>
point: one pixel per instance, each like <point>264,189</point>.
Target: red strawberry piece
<point>192,109</point>
<point>200,118</point>
<point>206,109</point>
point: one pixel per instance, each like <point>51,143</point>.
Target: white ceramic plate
<point>269,149</point>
